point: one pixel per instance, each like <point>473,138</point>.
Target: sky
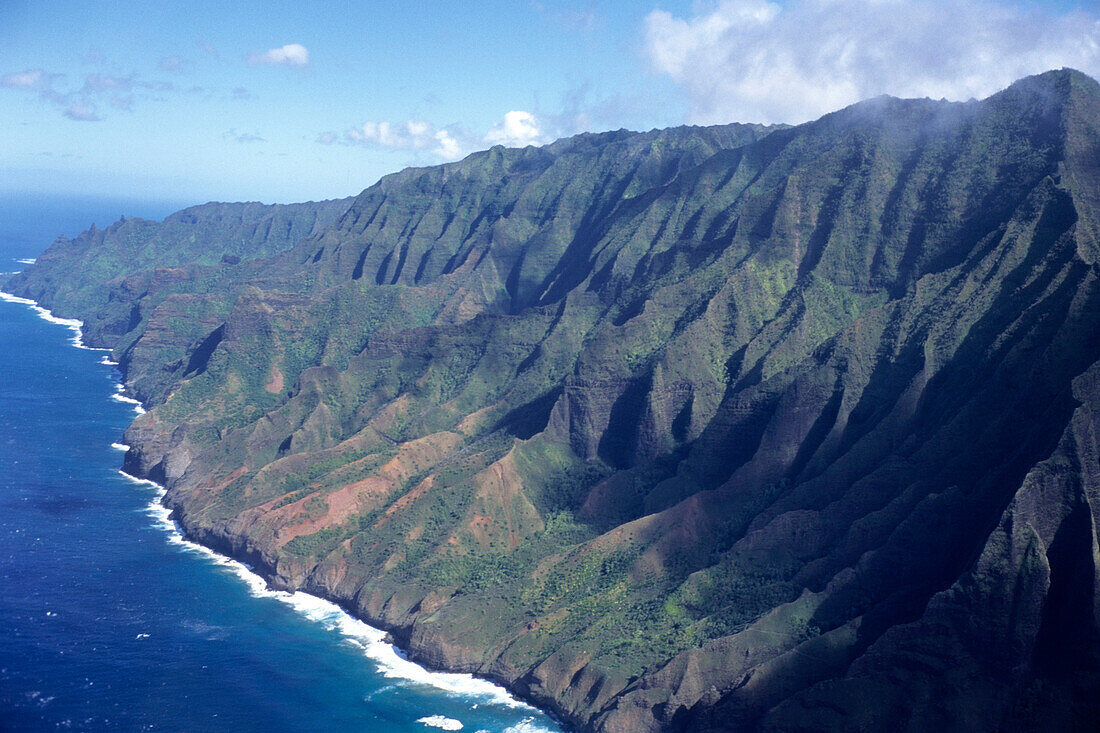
<point>293,101</point>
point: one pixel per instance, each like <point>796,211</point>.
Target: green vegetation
<point>697,428</point>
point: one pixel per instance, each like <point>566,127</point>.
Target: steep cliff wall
<point>696,429</point>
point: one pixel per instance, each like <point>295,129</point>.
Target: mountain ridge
<point>678,411</point>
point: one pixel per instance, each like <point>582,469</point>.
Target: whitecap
<point>26,260</point>
<point>8,297</point>
<point>47,315</point>
<point>72,324</point>
<point>441,722</point>
<point>142,482</point>
<point>527,725</point>
<point>120,396</point>
<point>391,663</point>
<point>381,690</point>
<point>371,640</point>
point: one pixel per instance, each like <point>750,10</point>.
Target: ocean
<point>111,620</point>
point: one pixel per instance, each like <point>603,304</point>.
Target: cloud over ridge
<point>517,129</point>
<point>758,61</point>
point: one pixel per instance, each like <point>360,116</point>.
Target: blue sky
<point>289,101</point>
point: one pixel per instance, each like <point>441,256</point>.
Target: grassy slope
<point>674,429</point>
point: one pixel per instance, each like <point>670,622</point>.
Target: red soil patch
<point>275,384</point>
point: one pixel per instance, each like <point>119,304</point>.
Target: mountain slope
<point>705,428</point>
<point>71,276</point>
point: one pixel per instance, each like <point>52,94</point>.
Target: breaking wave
<point>119,396</point>
<point>441,722</point>
<point>45,314</point>
<point>390,661</point>
<point>371,641</point>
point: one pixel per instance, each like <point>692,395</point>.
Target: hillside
<point>73,275</point>
<point>727,428</point>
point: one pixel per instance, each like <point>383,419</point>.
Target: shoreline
<point>391,660</point>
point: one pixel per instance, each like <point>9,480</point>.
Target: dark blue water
<point>110,621</point>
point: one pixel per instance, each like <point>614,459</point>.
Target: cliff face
<point>704,428</point>
<point>76,275</point>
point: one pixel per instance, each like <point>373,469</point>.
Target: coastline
<point>376,644</point>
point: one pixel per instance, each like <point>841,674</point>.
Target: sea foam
<point>45,314</point>
<point>27,260</point>
<point>527,725</point>
<point>119,397</point>
<point>441,722</point>
<point>371,641</point>
<point>8,297</point>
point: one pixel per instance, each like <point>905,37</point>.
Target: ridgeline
<point>722,428</point>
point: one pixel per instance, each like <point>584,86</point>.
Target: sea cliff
<point>696,429</point>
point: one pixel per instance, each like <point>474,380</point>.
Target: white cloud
<point>759,61</point>
<point>82,103</point>
<point>516,130</point>
<point>42,84</point>
<point>292,54</point>
<point>33,79</point>
<point>412,135</point>
<point>448,146</point>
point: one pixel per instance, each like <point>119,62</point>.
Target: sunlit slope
<point>693,429</point>
<point>72,275</point>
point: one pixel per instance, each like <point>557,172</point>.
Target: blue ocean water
<point>111,621</point>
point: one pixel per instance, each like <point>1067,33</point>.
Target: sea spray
<point>119,396</point>
<point>74,325</point>
<point>441,722</point>
<point>371,641</point>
